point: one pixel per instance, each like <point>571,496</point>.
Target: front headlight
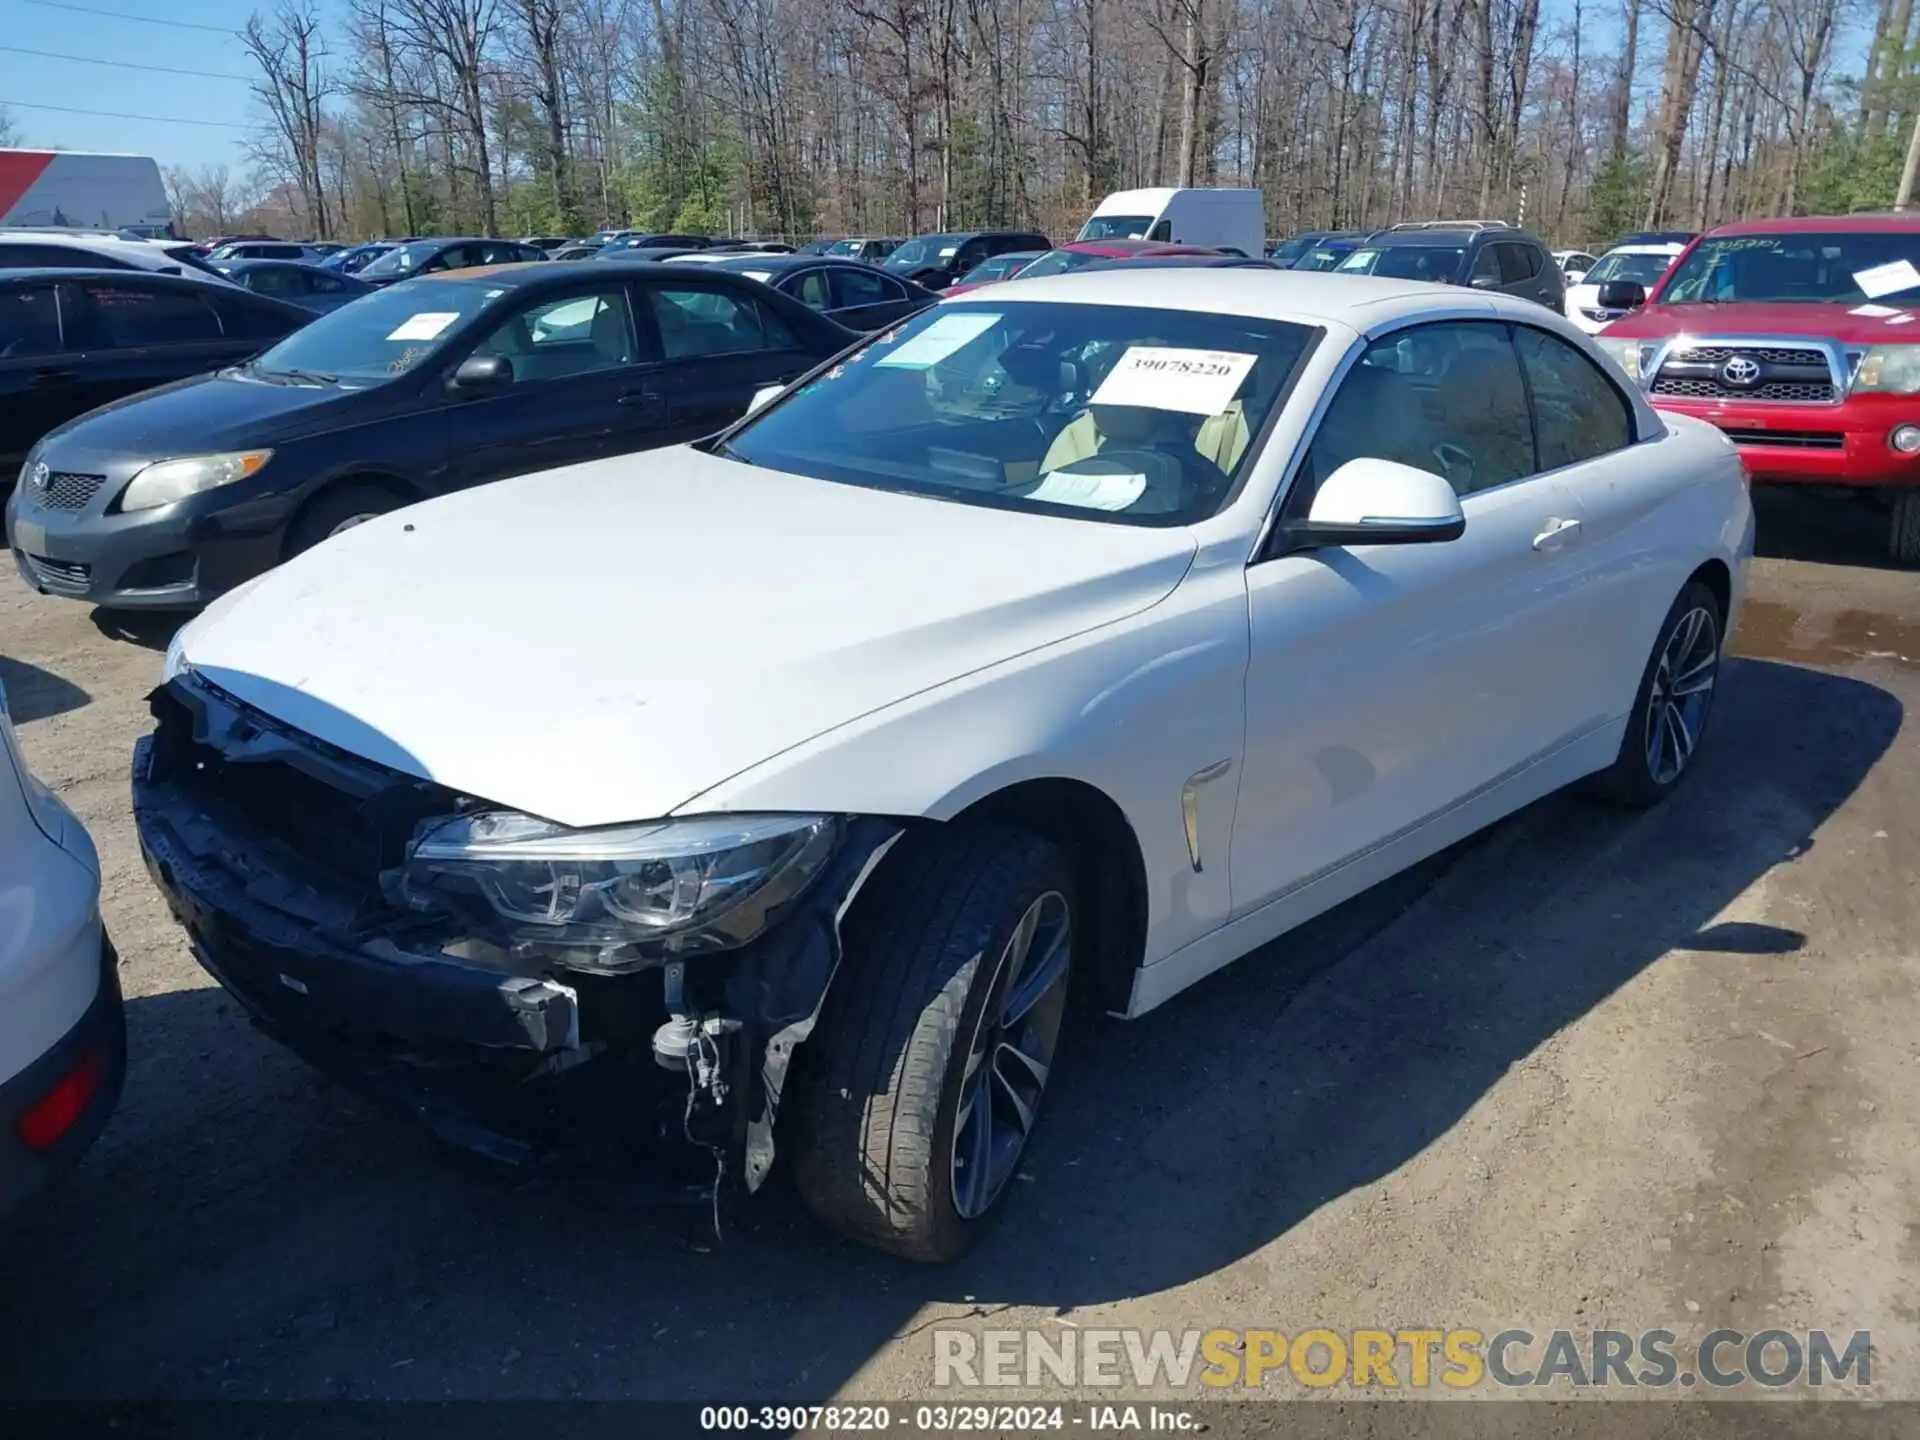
<point>1889,370</point>
<point>618,898</point>
<point>166,481</point>
<point>1626,354</point>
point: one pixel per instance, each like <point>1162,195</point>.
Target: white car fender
<point>1077,710</point>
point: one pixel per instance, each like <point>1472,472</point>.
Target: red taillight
<point>55,1113</point>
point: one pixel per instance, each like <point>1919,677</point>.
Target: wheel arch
<point>1715,575</point>
<point>405,491</point>
<point>1109,870</point>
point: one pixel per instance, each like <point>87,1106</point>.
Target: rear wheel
<point>920,1087</point>
<point>1669,715</point>
<point>1903,536</point>
<point>340,508</point>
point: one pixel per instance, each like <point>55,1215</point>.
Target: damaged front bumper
<point>267,845</point>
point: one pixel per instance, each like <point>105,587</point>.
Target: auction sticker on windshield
<point>1886,279</point>
<point>938,341</point>
<point>1158,377</point>
<point>425,326</point>
<point>1090,492</point>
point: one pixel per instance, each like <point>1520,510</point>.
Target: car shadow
<point>150,629</point>
<point>35,694</point>
<point>246,1229</point>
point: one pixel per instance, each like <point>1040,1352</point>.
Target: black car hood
<point>206,413</point>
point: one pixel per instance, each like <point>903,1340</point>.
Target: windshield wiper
<point>311,377</point>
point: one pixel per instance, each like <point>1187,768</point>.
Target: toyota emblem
<point>41,474</point>
<point>1740,371</point>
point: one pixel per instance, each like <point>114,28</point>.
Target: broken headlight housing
<point>612,899</point>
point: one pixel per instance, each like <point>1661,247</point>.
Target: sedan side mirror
<point>1370,501</point>
<point>762,396</point>
<point>1485,282</point>
<point>1622,295</point>
<point>481,374</point>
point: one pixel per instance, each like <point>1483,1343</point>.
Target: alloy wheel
<point>1682,691</point>
<point>1011,1055</point>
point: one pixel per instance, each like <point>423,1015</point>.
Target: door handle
<point>1557,533</point>
<point>645,398</point>
<point>47,379</point>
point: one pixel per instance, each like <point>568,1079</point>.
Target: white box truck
<point>1226,219</point>
<point>62,188</point>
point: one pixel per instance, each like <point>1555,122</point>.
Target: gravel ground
<point>1594,1070</point>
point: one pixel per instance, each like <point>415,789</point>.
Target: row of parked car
<point>773,796</point>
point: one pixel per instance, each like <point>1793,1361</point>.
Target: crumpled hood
<point>603,643</point>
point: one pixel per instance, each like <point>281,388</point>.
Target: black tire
<point>1903,530</point>
<point>881,1079</point>
<point>334,510</point>
<point>1633,778</point>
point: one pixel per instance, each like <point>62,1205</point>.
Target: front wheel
<point>1669,715</point>
<point>920,1087</point>
<point>1903,537</point>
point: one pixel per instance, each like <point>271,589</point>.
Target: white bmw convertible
<point>777,792</point>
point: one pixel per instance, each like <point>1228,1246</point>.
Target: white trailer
<point>40,188</point>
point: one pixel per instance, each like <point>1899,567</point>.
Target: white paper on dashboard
<point>424,326</point>
<point>1873,312</point>
<point>1885,279</point>
<point>1158,377</point>
<point>1090,492</point>
<point>1901,320</point>
<point>939,340</point>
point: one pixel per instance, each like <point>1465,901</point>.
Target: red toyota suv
<point>1801,339</point>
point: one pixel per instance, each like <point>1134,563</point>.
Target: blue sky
<point>79,28</point>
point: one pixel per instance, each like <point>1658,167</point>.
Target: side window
<point>121,316</point>
<point>694,320</point>
<point>971,254</point>
<point>29,322</point>
<point>1517,262</point>
<point>574,335</point>
<point>1447,398</point>
<point>1486,265</point>
<point>456,258</point>
<point>497,252</point>
<point>863,287</point>
<point>1162,230</point>
<point>813,290</point>
<point>271,280</point>
<point>324,284</point>
<point>1580,414</point>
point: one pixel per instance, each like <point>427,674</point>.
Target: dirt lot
<point>1597,1070</point>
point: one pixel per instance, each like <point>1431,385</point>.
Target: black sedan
<point>167,499</point>
<point>430,257</point>
<point>74,339</point>
<point>307,286</point>
<point>847,291</point>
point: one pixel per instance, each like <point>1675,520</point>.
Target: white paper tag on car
<point>939,340</point>
<point>1886,279</point>
<point>425,326</point>
<point>1873,312</point>
<point>1090,492</point>
<point>1157,377</point>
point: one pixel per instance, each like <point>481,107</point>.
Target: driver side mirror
<point>1622,295</point>
<point>1370,501</point>
<point>482,375</point>
<point>1485,282</point>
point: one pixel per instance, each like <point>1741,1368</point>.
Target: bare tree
<point>294,83</point>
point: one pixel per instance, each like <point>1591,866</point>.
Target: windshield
<point>998,268</point>
<point>1117,227</point>
<point>1405,262</point>
<point>1288,251</point>
<point>380,335</point>
<point>400,259</point>
<point>1804,269</point>
<point>927,250</point>
<point>846,247</point>
<point>1100,412</point>
<point>1322,258</point>
<point>1641,269</point>
<point>1059,262</point>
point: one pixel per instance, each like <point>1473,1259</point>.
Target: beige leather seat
<point>1222,439</point>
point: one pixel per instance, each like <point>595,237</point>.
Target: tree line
<point>800,117</point>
